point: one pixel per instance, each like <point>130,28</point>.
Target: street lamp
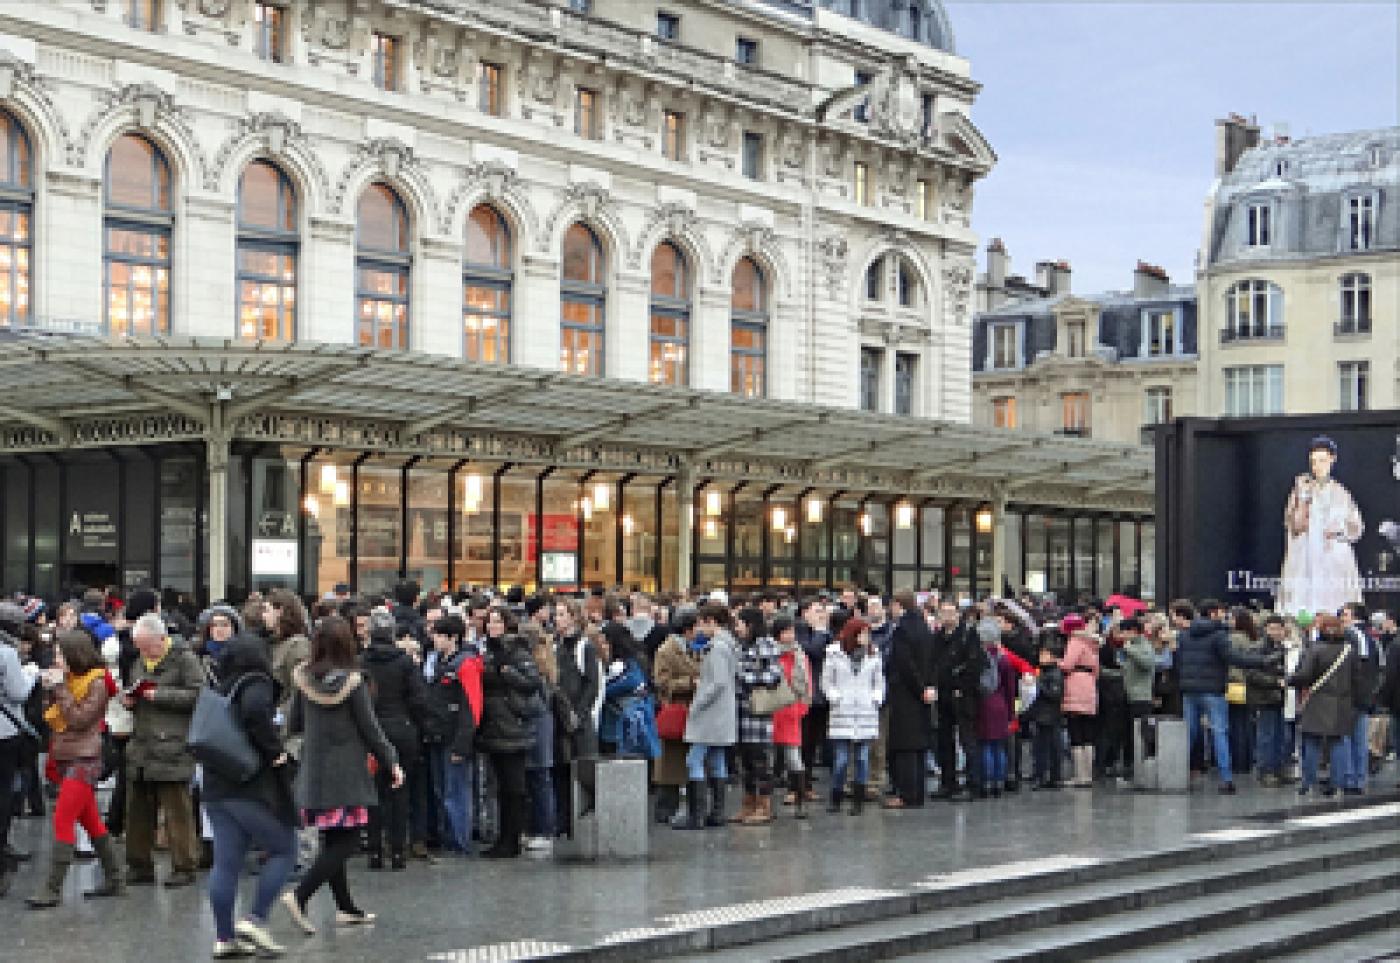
<point>984,521</point>
<point>779,518</point>
<point>904,515</point>
<point>602,496</point>
<point>814,511</point>
<point>714,503</point>
<point>328,479</point>
<point>865,524</point>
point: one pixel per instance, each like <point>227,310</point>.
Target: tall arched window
<point>382,268</point>
<point>16,221</point>
<point>748,330</point>
<point>875,280</point>
<point>916,22</point>
<point>1356,304</point>
<point>907,285</point>
<point>582,303</point>
<point>267,254</point>
<point>138,221</point>
<point>486,281</point>
<point>670,317</point>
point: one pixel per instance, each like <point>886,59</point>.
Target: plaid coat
<point>758,668</point>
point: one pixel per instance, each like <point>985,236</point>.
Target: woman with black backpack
<point>397,688</point>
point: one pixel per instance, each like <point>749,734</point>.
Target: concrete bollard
<point>609,811</point>
<point>1161,755</point>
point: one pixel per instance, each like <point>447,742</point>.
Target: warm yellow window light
<point>904,515</point>
<point>586,507</point>
<point>710,528</point>
<point>864,522</point>
<point>329,479</point>
<point>814,511</point>
<point>342,494</point>
<point>984,520</point>
<point>779,518</point>
<point>628,524</point>
<point>602,496</point>
<point>714,503</point>
<point>312,506</point>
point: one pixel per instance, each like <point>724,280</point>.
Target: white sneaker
<point>229,950</point>
<point>258,936</point>
<point>539,844</point>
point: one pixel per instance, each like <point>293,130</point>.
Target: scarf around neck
<point>78,685</point>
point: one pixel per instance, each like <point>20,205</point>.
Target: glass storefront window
<point>329,521</point>
<point>1149,561</point>
<point>710,575</point>
<point>274,485</point>
<point>378,526</point>
<point>1084,556</point>
<point>1037,574</point>
<point>933,573</point>
<point>599,531</point>
<point>1103,558</point>
<point>1015,574</point>
<point>1058,568</point>
<point>641,534</point>
<point>516,536</point>
<point>179,519</point>
<point>426,527</point>
<point>960,564</point>
<point>1127,538</point>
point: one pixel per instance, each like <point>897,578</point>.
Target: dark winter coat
<point>1390,688</point>
<point>995,711</point>
<point>1047,708</point>
<point>1205,655</point>
<point>244,666</point>
<point>335,713</point>
<point>580,683</point>
<point>814,643</point>
<point>396,688</point>
<point>1329,710</point>
<point>157,750</point>
<point>1367,684</point>
<point>450,707</point>
<point>513,696</point>
<point>910,671</point>
<point>1262,689</point>
<point>957,661</point>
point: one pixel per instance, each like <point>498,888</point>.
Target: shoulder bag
<point>1306,694</point>
<point>216,736</point>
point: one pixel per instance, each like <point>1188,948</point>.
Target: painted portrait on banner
<point>1322,526</point>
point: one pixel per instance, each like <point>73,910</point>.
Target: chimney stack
<point>1150,281</point>
<point>996,264</point>
<point>1059,278</point>
<point>1044,276</point>
<point>1233,136</point>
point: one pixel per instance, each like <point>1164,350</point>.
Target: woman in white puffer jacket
<point>853,681</point>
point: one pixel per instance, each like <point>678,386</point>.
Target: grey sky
<point>1102,113</point>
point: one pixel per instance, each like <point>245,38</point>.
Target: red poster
<point>560,535</point>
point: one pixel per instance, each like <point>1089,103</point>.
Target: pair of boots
<point>512,823</point>
<point>798,788</point>
<point>756,810</point>
<point>1083,759</point>
<point>397,859</point>
<point>857,799</point>
<point>668,803</point>
<point>50,894</point>
<point>695,816</point>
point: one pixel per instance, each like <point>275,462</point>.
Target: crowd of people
<point>426,725</point>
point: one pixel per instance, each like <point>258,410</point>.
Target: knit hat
<point>1072,623</point>
<point>988,631</point>
<point>139,602</point>
<point>222,611</point>
<point>382,626</point>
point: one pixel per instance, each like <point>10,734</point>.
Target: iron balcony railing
<point>1272,333</point>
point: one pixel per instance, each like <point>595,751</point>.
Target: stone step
<point>1133,932</point>
<point>1352,930</point>
<point>1024,905</point>
<point>704,933</point>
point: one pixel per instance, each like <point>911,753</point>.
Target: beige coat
<point>675,673</point>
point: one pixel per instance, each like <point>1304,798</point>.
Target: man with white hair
<point>165,681</point>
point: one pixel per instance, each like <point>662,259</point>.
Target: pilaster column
<point>685,525</point>
<point>216,467</point>
<point>998,539</point>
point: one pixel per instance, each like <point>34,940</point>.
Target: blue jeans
<point>237,825</point>
<point>700,757</point>
<point>1312,749</point>
<point>458,779</point>
<point>1215,707</point>
<point>993,763</point>
<point>1359,757</point>
<point>1271,751</point>
<point>842,750</point>
<point>540,783</point>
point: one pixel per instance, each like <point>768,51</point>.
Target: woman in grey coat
<point>712,724</point>
<point>332,708</point>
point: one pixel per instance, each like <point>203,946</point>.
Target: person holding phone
<point>332,709</point>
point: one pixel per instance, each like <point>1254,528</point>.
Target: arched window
<point>137,224</point>
<point>582,303</point>
<point>486,281</point>
<point>267,254</point>
<point>16,222</point>
<point>748,330</point>
<point>1253,309</point>
<point>383,266</point>
<point>875,280</point>
<point>1356,304</point>
<point>907,285</point>
<point>670,317</point>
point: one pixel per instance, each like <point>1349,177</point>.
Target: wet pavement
<point>458,908</point>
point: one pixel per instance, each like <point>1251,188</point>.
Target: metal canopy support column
<point>581,518</point>
<point>216,446</point>
<point>831,538</point>
<point>998,506</point>
<point>657,562</point>
<point>765,565</point>
<point>355,521</point>
<point>730,518</point>
<point>539,535</point>
<point>496,520</point>
<point>303,489</point>
<point>403,515</point>
<point>799,521</point>
<point>620,533</point>
<point>452,539</point>
<point>685,526</point>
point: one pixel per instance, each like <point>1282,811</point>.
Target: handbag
<point>1235,693</point>
<point>1306,694</point>
<point>216,736</point>
<point>765,702</point>
<point>670,721</point>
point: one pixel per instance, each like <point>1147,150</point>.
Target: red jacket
<point>469,674</point>
<point>787,722</point>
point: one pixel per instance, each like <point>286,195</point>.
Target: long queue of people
<point>422,726</point>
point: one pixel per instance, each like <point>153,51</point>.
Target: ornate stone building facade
<point>1300,279</point>
<point>728,195</point>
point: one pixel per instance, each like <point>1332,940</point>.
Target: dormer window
<point>1374,156</point>
<point>1076,339</point>
<point>1281,169</point>
<point>1004,346</point>
<point>1360,222</point>
<point>1258,225</point>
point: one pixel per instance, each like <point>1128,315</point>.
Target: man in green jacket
<point>1139,667</point>
<point>166,680</point>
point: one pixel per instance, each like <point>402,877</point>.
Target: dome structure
<point>922,20</point>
